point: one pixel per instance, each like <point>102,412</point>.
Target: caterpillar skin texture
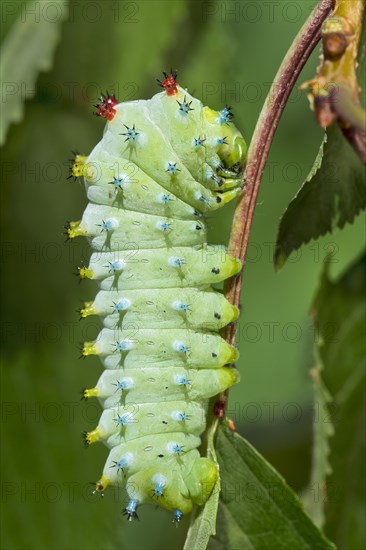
<point>160,166</point>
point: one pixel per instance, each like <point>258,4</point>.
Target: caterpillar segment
<point>189,307</point>
<point>135,347</point>
<point>171,267</point>
<point>161,165</point>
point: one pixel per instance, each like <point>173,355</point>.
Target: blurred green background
<point>225,52</point>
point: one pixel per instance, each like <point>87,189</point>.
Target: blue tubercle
<point>130,510</point>
<point>121,385</point>
<point>165,199</point>
<point>131,134</point>
<point>182,380</point>
<point>119,306</point>
<point>115,266</point>
<point>185,106</point>
<point>183,307</point>
<point>176,262</point>
<point>177,514</point>
<point>121,346</point>
<point>182,348</point>
<point>172,168</point>
<point>106,225</point>
<point>117,182</point>
<point>122,420</point>
<point>120,465</point>
<point>177,449</point>
<point>198,142</point>
<point>225,115</point>
<point>164,226</point>
<point>159,489</point>
<point>216,179</point>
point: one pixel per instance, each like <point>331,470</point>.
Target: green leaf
<point>334,191</point>
<point>339,310</point>
<point>332,195</point>
<point>257,509</point>
<point>203,520</point>
<point>27,50</point>
<point>316,494</point>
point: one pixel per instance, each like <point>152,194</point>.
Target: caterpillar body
<point>160,166</point>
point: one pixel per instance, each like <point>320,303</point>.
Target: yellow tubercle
<point>87,310</point>
<point>93,436</point>
<point>75,230</point>
<point>86,272</point>
<point>78,166</point>
<point>89,348</point>
<point>92,392</point>
<point>102,484</point>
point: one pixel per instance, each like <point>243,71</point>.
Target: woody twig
<point>334,91</point>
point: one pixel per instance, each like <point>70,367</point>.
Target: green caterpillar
<point>160,166</point>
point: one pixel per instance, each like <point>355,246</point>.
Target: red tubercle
<point>219,408</point>
<point>231,425</point>
<point>219,412</point>
<point>169,83</point>
<point>106,106</point>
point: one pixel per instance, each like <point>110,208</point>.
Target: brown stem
<point>274,105</point>
<point>285,79</point>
